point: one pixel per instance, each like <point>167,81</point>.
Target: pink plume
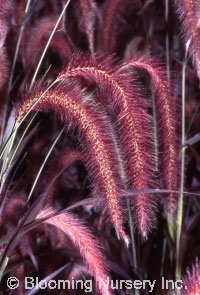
<point>85,242</point>
<point>167,123</point>
<point>98,146</point>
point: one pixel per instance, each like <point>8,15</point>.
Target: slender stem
<point>13,68</point>
<point>43,164</point>
<point>163,257</point>
<point>192,119</point>
<point>17,48</point>
<point>47,45</point>
<point>21,139</point>
<point>48,278</point>
<point>5,195</point>
<point>9,147</point>
<point>132,232</point>
<point>131,226</point>
<point>179,221</point>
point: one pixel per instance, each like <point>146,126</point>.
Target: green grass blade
<point>179,220</point>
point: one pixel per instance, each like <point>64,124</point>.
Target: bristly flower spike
<point>5,9</point>
<point>87,14</point>
<point>111,18</point>
<point>189,12</point>
<point>192,281</point>
<point>109,12</point>
<point>4,68</point>
<point>167,121</point>
<point>133,122</point>
<point>85,242</point>
<point>97,144</point>
<point>38,38</point>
